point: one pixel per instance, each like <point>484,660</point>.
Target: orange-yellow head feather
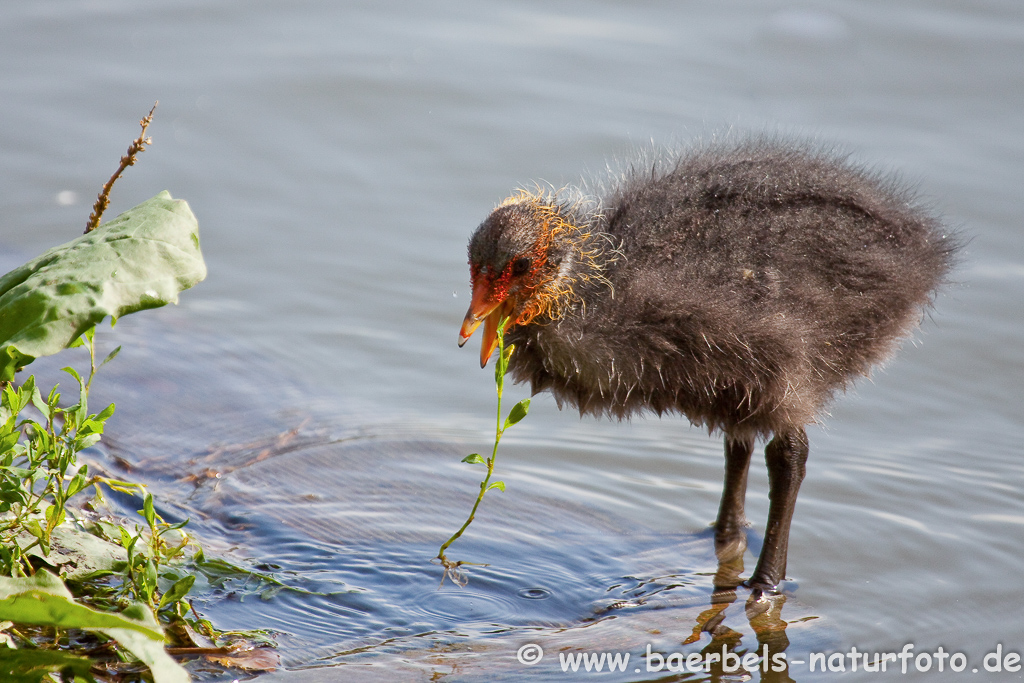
<point>526,260</point>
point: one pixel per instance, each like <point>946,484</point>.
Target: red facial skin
<point>520,297</point>
<point>498,296</point>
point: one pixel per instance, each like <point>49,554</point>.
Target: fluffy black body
<point>749,284</point>
<point>740,285</point>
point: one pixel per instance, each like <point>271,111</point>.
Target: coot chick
<point>740,285</point>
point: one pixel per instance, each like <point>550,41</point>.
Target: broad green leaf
<point>35,666</point>
<point>474,459</point>
<point>141,259</point>
<point>517,413</point>
<point>149,651</point>
<point>76,554</point>
<point>43,600</point>
<point>500,485</point>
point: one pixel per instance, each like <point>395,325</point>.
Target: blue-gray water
<point>338,155</point>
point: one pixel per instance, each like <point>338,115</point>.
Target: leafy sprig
<point>453,569</point>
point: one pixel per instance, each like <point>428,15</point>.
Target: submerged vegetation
<point>453,569</point>
<point>85,596</point>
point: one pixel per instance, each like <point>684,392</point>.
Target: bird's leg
<point>786,457</point>
<point>730,538</point>
<point>730,542</point>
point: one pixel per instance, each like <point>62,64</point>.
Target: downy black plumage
<point>740,285</point>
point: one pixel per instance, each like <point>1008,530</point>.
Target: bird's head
<point>523,262</point>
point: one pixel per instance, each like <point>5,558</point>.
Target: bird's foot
<point>760,589</point>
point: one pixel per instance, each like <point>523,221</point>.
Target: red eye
<point>520,266</point>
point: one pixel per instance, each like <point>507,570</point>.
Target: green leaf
<point>176,592</point>
<point>8,441</point>
<point>74,373</point>
<point>25,391</point>
<point>11,399</point>
<point>474,459</point>
<point>141,259</point>
<point>37,399</point>
<point>19,472</point>
<point>55,516</point>
<point>77,554</point>
<point>80,409</point>
<point>88,440</point>
<point>123,486</point>
<point>35,666</point>
<point>150,577</point>
<point>32,526</point>
<point>148,510</point>
<point>76,484</point>
<point>105,414</point>
<point>517,413</point>
<point>110,356</point>
<point>43,600</point>
<point>90,427</point>
<point>127,540</point>
<point>500,485</point>
<point>148,650</point>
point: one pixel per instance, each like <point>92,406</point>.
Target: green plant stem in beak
<point>518,412</point>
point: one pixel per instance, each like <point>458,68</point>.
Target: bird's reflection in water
<point>763,612</point>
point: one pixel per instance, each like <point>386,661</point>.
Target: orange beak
<point>481,308</point>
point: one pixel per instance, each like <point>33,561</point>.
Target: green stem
<point>92,360</point>
<point>487,480</point>
<point>500,370</point>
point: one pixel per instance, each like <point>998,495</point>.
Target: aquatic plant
<point>452,569</point>
<point>140,260</point>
